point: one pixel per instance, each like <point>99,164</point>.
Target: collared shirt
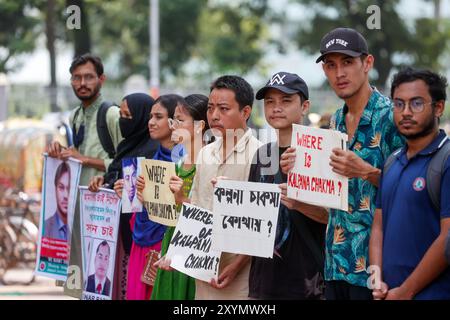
<point>236,167</point>
<point>62,227</point>
<point>348,233</point>
<point>410,223</point>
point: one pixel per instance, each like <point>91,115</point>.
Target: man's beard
<point>90,97</point>
<point>427,129</point>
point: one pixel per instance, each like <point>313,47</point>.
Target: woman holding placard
<point>188,125</point>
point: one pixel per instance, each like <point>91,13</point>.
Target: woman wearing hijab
<point>147,235</point>
<point>134,116</point>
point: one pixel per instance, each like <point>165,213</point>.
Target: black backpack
<point>434,171</point>
<point>102,128</point>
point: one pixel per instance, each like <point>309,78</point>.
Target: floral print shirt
<point>348,232</point>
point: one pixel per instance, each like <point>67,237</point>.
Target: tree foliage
<point>18,31</point>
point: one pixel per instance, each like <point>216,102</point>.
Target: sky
<point>36,65</point>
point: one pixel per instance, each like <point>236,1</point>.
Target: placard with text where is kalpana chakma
<point>312,179</point>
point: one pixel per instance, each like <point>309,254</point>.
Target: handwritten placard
<point>190,247</point>
<point>312,179</point>
<point>159,201</point>
<point>245,217</point>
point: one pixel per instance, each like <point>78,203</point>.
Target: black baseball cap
<point>286,82</point>
<point>343,40</point>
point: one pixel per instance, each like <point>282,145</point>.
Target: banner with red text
<point>59,193</point>
<point>99,213</point>
<point>312,179</point>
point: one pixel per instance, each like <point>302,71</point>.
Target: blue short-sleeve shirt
<point>410,223</point>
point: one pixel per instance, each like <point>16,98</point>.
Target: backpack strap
<point>102,129</point>
<point>390,160</point>
<point>434,173</point>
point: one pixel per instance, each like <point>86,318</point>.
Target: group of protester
<point>391,242</point>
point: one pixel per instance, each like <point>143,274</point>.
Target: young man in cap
<point>296,270</point>
<point>366,118</point>
<point>409,232</point>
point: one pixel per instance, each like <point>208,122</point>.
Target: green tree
<point>233,35</point>
<point>18,31</point>
<point>121,33</point>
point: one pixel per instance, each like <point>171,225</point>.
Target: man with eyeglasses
<point>86,80</point>
<point>409,234</point>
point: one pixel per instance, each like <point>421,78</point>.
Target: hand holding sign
<point>164,264</point>
<point>348,164</point>
<point>229,272</point>
<point>287,160</point>
<point>118,187</point>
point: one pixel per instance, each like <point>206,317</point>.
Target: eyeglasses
<point>416,105</point>
<point>174,123</point>
<point>86,77</point>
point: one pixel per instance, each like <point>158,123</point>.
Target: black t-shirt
<point>296,271</point>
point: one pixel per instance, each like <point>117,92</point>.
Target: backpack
<point>102,128</point>
<point>434,171</point>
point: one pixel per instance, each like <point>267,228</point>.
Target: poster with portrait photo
<point>99,217</point>
<point>130,172</point>
<point>60,181</point>
<point>100,270</point>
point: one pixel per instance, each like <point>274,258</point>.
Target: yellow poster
<point>159,201</point>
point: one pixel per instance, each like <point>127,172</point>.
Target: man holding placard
<point>366,118</point>
<point>296,269</point>
<point>229,108</point>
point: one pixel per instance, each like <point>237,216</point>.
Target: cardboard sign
<point>190,247</point>
<point>245,217</point>
<point>312,179</point>
<point>159,201</point>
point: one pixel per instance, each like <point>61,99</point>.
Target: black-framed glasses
<point>416,105</point>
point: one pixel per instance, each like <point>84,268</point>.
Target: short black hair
<point>85,58</point>
<point>437,84</point>
<point>104,243</point>
<point>241,88</point>
<point>62,168</point>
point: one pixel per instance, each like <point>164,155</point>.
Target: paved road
<point>41,289</point>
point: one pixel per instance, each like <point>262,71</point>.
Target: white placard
<point>100,215</point>
<point>190,247</point>
<point>312,179</point>
<point>245,217</point>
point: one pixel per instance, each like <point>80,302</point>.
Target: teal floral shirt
<point>348,233</point>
